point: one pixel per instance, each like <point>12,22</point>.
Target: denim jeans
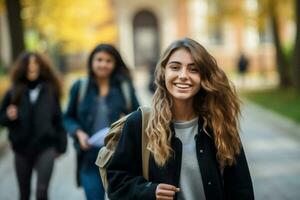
<point>89,176</point>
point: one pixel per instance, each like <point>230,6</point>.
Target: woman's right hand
<point>12,112</point>
<point>83,140</point>
<point>166,192</point>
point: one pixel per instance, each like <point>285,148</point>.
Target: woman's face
<point>182,76</point>
<point>103,64</point>
<point>33,70</point>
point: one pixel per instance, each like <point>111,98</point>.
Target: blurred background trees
<point>70,28</point>
<point>59,27</point>
<point>296,55</point>
<point>15,27</point>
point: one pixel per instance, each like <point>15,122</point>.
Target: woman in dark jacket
<point>195,148</point>
<point>95,103</point>
<point>31,112</point>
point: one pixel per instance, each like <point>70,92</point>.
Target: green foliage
<point>282,101</point>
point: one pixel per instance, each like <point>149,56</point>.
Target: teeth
<point>182,85</point>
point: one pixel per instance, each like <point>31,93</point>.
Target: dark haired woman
<point>31,112</point>
<point>196,152</point>
<point>105,96</point>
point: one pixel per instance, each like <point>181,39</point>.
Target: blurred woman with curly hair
<point>31,111</point>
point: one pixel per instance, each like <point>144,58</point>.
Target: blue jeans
<point>89,176</point>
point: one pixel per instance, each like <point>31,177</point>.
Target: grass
<point>283,101</point>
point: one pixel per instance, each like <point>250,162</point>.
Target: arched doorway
<point>145,38</point>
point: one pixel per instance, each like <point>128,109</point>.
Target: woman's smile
<point>183,86</point>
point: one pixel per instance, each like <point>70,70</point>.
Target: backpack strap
<point>125,87</point>
<point>82,89</point>
<point>145,152</point>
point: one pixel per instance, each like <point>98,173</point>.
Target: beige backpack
<point>111,141</point>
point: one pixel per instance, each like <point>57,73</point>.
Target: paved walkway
<point>271,142</point>
<point>62,184</point>
<point>272,145</point>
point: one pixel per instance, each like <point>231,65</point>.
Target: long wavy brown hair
<point>216,102</point>
<point>47,74</point>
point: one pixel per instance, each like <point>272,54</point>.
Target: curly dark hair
<point>48,74</point>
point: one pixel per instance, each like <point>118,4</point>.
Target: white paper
<point>97,140</point>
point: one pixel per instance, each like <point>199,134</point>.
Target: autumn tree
<point>15,27</point>
<point>77,25</point>
<point>296,56</point>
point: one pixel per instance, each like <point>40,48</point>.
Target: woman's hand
<point>166,192</point>
<point>12,112</point>
<point>83,138</point>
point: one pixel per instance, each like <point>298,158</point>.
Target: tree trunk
<point>15,27</point>
<point>296,56</point>
<point>283,65</point>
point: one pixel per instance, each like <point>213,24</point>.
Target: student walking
<point>195,148</point>
<point>31,112</point>
<point>242,68</point>
<point>96,102</point>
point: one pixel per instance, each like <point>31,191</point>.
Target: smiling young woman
<point>196,151</point>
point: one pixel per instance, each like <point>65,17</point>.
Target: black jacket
<point>125,169</point>
<point>38,126</point>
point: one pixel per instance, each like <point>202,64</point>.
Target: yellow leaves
<point>79,24</point>
<point>1,6</point>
